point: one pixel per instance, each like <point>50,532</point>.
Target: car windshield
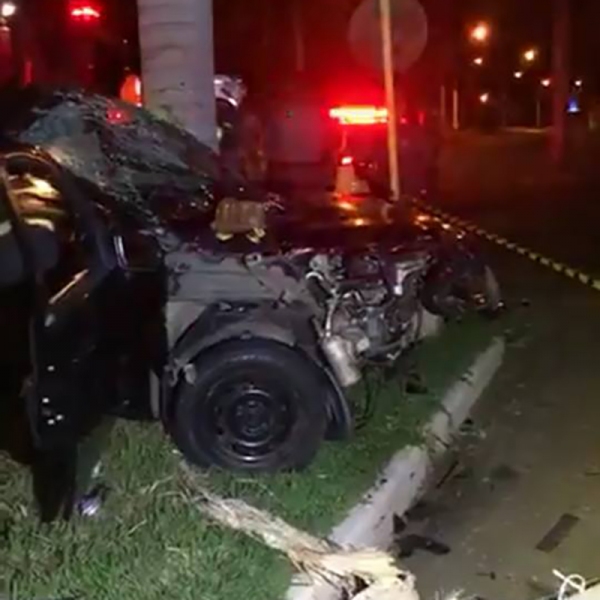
<point>140,161</point>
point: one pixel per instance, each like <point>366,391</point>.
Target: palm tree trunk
<point>176,39</point>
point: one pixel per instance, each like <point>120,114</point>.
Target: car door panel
<point>72,347</point>
<point>69,392</point>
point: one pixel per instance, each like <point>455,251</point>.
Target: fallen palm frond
<point>365,574</point>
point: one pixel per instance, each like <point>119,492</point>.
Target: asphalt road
<point>524,495</point>
<point>508,184</point>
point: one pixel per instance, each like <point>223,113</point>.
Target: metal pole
<point>443,116</point>
<point>538,111</point>
<point>455,110</point>
<point>562,26</point>
<point>385,11</point>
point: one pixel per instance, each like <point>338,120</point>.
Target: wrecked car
<point>141,280</point>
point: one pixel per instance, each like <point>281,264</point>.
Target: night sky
<point>254,38</point>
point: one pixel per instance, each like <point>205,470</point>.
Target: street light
<point>8,10</point>
<point>478,61</point>
<point>480,33</point>
<point>547,82</point>
<point>530,55</point>
<point>578,83</point>
<point>484,98</point>
<point>518,74</point>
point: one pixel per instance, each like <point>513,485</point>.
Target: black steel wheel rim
<point>249,415</point>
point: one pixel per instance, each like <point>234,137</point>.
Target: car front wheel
<point>251,405</point>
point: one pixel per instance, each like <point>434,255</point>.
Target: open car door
<point>67,255</point>
<point>15,310</point>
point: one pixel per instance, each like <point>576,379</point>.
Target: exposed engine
<point>372,310</point>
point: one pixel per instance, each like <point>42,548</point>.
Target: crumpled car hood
<point>149,167</point>
<point>170,182</point>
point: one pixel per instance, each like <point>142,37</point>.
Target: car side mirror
<point>138,252</point>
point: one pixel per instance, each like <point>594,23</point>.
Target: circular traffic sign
<point>409,34</point>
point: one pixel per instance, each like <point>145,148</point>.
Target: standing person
<point>230,93</point>
<point>252,122</point>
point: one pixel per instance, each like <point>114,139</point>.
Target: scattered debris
<point>91,504</point>
<point>410,544</point>
<point>450,473</point>
<point>470,430</point>
<point>365,574</point>
<point>467,378</point>
<point>467,426</point>
<point>490,575</point>
<point>559,532</point>
<point>398,524</point>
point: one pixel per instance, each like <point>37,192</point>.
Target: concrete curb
<point>405,479</point>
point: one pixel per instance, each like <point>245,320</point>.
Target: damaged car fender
<point>460,278</point>
<point>219,323</point>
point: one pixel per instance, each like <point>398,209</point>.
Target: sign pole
<point>443,110</point>
<point>455,109</point>
<point>385,12</point>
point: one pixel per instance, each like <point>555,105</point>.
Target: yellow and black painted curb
<point>558,267</point>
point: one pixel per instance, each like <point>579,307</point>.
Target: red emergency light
<point>84,12</point>
<point>359,115</point>
<point>131,90</point>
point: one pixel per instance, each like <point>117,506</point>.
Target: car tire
<point>450,296</point>
<point>251,405</point>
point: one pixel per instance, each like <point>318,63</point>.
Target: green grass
<point>150,544</point>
